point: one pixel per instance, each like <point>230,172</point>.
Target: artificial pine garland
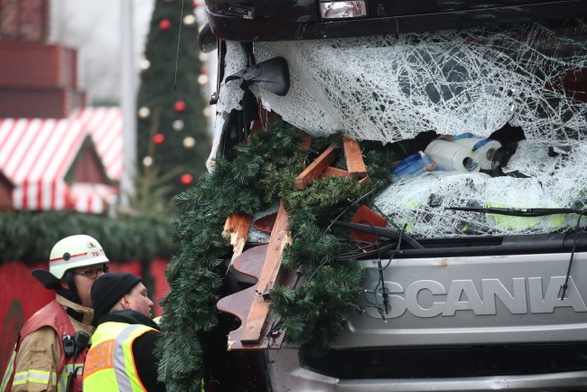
<point>264,170</point>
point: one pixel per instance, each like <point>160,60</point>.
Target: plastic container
<point>463,136</point>
<point>482,150</point>
<point>451,156</point>
<point>415,163</point>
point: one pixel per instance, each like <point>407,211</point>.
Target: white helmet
<point>71,252</point>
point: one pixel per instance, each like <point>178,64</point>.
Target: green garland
<point>28,236</point>
<point>264,170</point>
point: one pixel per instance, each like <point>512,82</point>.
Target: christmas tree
<point>173,140</point>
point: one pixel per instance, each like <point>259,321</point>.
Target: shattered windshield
<point>394,87</point>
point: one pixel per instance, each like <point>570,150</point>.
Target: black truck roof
<point>287,20</point>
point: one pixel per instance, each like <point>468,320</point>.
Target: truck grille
<point>438,362</point>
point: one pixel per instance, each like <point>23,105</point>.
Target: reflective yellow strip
<point>68,369</point>
<point>36,376</point>
<point>8,372</point>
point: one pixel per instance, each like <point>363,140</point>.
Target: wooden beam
<point>259,311</point>
<point>354,158</point>
<point>334,171</point>
<point>277,242</point>
<point>315,169</point>
<point>250,263</point>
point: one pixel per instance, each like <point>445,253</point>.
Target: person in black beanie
<point>122,355</point>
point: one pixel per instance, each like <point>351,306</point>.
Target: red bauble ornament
<point>196,3</point>
<point>204,70</point>
<point>186,179</point>
<point>165,24</point>
<point>159,138</point>
<point>179,106</point>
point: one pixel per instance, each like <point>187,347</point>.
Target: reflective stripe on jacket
<point>39,362</point>
<point>110,364</point>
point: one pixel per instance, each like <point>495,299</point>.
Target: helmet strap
<point>70,293</point>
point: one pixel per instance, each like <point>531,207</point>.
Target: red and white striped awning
<point>36,154</point>
<point>105,127</point>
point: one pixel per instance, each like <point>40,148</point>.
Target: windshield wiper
<point>531,212</point>
<point>528,212</point>
<point>386,232</point>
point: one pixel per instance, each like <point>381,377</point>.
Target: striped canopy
<point>36,155</point>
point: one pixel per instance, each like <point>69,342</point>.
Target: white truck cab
<point>485,286</point>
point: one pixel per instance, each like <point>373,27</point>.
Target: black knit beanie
<point>108,289</point>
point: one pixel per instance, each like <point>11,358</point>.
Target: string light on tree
<point>164,24</point>
<point>203,79</point>
<point>179,106</point>
<point>145,65</point>
<point>144,112</point>
<point>189,142</point>
<point>147,161</point>
<point>178,125</point>
<point>186,179</point>
<point>159,138</point>
<point>189,20</point>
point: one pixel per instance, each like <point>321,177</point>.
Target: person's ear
<point>64,284</point>
<point>124,302</point>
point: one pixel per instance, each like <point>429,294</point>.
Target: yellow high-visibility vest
<point>110,364</point>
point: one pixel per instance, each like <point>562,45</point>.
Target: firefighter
<point>122,356</point>
<point>51,347</point>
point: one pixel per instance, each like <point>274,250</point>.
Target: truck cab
<point>476,279</point>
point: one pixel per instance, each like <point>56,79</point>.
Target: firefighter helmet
<point>71,252</point>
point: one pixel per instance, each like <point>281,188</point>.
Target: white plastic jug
<point>451,156</point>
<point>482,150</point>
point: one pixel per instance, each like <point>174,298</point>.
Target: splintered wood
<point>237,227</point>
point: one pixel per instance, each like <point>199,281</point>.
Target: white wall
<point>94,28</point>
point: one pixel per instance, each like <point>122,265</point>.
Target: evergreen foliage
<point>163,87</point>
<point>264,170</point>
<point>29,236</point>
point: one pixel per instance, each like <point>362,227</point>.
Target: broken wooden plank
<point>259,311</point>
<point>277,242</point>
<point>334,171</point>
<point>253,327</point>
<point>354,158</point>
<point>315,169</point>
<point>236,227</point>
<point>249,263</point>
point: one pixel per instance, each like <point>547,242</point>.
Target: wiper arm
<point>381,231</point>
<point>528,212</point>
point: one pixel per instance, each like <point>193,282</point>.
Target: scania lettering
<point>427,298</point>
